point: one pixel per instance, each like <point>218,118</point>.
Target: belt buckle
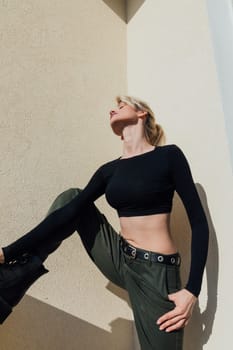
<point>133,252</point>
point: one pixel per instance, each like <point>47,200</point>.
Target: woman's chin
<point>117,131</point>
<point>118,124</point>
<point>117,128</point>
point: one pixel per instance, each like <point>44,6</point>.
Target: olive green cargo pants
<point>148,283</point>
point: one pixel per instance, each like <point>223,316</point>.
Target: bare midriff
<point>149,232</point>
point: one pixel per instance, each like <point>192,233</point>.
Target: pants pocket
<point>173,282</point>
<point>149,279</point>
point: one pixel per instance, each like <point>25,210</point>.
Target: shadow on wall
<point>50,328</point>
<point>200,327</point>
<point>125,9</point>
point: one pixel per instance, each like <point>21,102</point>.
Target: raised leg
<point>98,236</point>
<point>99,239</point>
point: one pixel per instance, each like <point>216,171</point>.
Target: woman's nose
<point>112,112</point>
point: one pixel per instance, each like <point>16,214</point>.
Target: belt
<point>134,253</point>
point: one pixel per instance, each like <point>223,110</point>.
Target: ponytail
<point>154,132</point>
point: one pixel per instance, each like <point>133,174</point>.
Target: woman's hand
<point>179,317</point>
<point>2,259</point>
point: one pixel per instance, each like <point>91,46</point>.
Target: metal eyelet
<point>133,253</point>
<point>146,256</point>
<point>160,258</point>
<point>173,260</point>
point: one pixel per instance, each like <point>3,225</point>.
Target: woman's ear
<point>142,114</point>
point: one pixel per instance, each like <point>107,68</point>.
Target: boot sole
<point>5,308</point>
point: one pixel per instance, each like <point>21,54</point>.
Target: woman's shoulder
<point>110,163</point>
<point>171,147</point>
<point>172,150</point>
<point>108,167</point>
<point>174,154</point>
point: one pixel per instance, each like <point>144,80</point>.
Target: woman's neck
<point>134,146</point>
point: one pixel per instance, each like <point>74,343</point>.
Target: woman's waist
<point>151,232</point>
<point>164,245</point>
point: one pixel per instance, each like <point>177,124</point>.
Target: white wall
<point>221,26</point>
<point>171,64</point>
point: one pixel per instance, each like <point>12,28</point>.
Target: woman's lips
<point>111,115</point>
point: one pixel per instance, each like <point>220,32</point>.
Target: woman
<point>143,258</point>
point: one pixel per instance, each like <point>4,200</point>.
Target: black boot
<point>15,279</point>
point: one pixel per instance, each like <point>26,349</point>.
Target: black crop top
<point>140,185</point>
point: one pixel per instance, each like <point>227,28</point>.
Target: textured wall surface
<point>171,64</point>
<point>62,63</point>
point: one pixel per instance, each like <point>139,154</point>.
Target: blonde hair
<point>154,132</point>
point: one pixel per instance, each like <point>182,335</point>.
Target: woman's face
<point>123,115</point>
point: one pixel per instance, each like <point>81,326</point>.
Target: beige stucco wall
<point>61,66</point>
<point>62,63</point>
<point>171,65</point>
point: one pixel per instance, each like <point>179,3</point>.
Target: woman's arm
<point>186,189</point>
<point>184,300</point>
<point>61,223</point>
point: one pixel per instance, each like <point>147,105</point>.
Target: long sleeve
<point>186,189</point>
<point>61,223</point>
